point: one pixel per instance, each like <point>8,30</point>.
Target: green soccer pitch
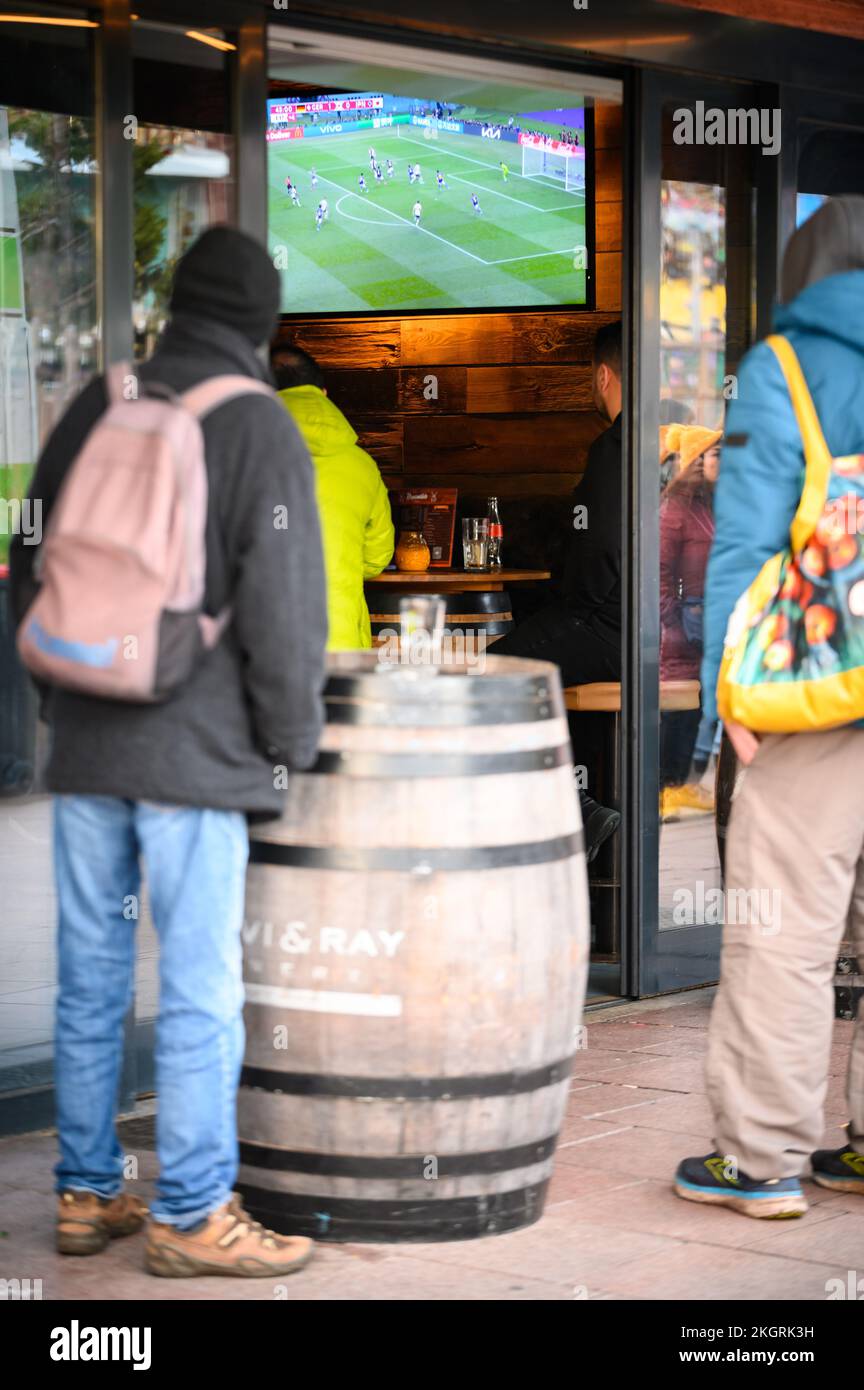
<point>369,254</point>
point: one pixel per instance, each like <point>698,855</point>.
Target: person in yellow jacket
<point>356,522</point>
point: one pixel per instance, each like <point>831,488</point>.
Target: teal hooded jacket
<point>354,510</point>
<point>762,463</point>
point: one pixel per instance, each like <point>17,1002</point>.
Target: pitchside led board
<point>390,204</point>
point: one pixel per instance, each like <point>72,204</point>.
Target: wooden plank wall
<point>844,17</point>
<point>488,403</point>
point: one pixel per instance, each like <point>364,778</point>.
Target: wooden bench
<point>604,697</point>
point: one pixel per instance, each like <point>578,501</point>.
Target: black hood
<point>228,277</point>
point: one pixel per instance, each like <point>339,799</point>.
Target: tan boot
<point>86,1222</point>
<point>227,1242</point>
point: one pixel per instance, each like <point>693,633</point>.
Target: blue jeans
<point>195,866</point>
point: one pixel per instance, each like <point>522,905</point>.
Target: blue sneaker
<point>709,1179</point>
<point>840,1170</point>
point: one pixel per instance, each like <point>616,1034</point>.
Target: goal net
<point>568,170</point>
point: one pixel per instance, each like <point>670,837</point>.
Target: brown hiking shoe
<point>86,1222</point>
<point>227,1242</point>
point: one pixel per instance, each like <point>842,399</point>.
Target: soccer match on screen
<point>384,202</point>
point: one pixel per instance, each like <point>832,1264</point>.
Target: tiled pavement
<point>612,1228</point>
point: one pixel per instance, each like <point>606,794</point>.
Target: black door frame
<point>677,958</point>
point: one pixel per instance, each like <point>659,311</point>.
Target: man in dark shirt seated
<point>581,630</point>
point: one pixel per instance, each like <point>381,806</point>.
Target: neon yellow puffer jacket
<point>356,525</point>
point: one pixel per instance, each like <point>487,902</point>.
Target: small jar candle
<point>412,552</point>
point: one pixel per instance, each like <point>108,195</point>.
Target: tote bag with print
<point>793,658</point>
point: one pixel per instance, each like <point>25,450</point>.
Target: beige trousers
<point>795,890</point>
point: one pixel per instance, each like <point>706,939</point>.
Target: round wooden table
<point>449,581</point>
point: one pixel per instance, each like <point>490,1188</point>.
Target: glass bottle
<point>496,534</point>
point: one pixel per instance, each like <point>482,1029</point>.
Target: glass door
<point>704,161</point>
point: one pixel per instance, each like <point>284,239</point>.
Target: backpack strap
<point>200,400</point>
<point>207,395</point>
<point>817,455</point>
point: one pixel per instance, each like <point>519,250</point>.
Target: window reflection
<point>692,367</point>
<point>182,181</point>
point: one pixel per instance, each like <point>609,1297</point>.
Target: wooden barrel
<point>415,955</point>
<point>476,612</point>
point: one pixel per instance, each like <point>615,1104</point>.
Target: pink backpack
<point>122,563</point>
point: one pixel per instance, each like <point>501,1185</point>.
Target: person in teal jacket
<point>794,873</point>
<point>356,522</point>
<point>822,314</point>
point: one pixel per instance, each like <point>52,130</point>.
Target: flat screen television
<point>381,203</point>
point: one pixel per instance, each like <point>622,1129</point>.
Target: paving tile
<point>604,1065</point>
<point>27,1162</point>
<point>625,1037</point>
<point>652,1206</point>
<point>689,1042</point>
<point>838,1064</point>
<point>576,1128</point>
<point>691,1015</point>
<point>560,1249</point>
<point>425,1279</point>
<point>710,1273</point>
<point>690,1114</point>
<point>666,1074</point>
<point>608,1101</point>
<point>634,1153</point>
<point>836,1240</point>
<point>572,1182</point>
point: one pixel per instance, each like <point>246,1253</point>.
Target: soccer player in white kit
<point>389,168</point>
<point>325,209</point>
<point>314,179</point>
<point>418,212</point>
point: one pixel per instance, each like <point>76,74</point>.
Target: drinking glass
<point>422,613</point>
<point>475,542</point>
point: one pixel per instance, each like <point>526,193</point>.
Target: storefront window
<point>183,175</point>
<point>182,185</point>
<point>705,325</point>
<point>49,348</point>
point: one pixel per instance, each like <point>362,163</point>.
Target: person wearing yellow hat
<point>686,534</point>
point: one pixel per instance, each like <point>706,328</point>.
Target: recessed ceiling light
<point>221,44</point>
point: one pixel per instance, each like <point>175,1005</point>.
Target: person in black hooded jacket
<point>580,631</point>
<point>169,787</point>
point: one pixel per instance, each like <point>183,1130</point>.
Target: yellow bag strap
<point>817,455</point>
